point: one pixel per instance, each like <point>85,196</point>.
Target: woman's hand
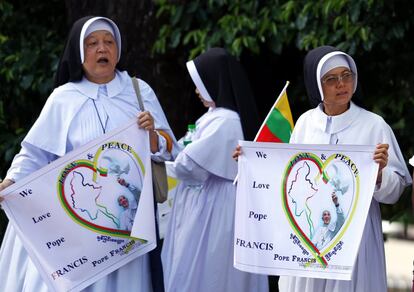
<point>381,157</point>
<point>4,184</point>
<point>237,152</point>
<point>146,121</point>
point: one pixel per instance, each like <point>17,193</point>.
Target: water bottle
<point>189,136</point>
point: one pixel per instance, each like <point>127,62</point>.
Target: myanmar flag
<point>278,124</point>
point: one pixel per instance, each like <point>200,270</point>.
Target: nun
<point>91,98</point>
<point>198,247</point>
<point>331,79</point>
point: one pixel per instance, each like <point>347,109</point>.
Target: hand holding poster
<point>89,212</point>
<point>301,209</point>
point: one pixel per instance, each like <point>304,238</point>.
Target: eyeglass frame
<point>339,78</point>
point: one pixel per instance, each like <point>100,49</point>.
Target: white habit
<point>69,120</point>
<point>358,127</point>
<point>198,247</point>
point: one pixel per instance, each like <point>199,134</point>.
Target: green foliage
<point>30,44</point>
<point>249,25</point>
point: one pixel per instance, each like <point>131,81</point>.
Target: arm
<point>391,187</point>
<point>162,140</point>
<point>381,157</point>
<point>189,171</point>
<point>340,219</point>
<point>4,184</point>
<point>132,188</point>
<point>216,139</point>
<point>146,121</point>
<point>28,160</point>
<point>394,175</point>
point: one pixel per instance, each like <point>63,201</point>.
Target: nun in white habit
<point>198,247</point>
<point>91,98</point>
<point>331,80</point>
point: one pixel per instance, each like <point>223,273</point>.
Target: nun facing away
<point>331,80</point>
<point>198,248</point>
<point>91,98</point>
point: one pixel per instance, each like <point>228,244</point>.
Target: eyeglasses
<point>333,80</point>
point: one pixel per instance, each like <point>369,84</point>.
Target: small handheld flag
<point>278,125</point>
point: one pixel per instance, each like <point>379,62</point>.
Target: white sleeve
<point>28,160</point>
<point>162,154</point>
<point>395,176</point>
<point>152,105</point>
<point>189,171</point>
<point>391,187</point>
<point>340,218</point>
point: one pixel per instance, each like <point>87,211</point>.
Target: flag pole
<point>264,122</point>
<point>271,109</point>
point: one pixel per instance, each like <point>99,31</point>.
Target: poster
<point>89,212</point>
<point>301,209</point>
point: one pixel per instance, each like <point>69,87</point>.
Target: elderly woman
<point>198,248</point>
<point>91,98</point>
<point>331,80</point>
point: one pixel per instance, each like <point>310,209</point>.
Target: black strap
<point>99,117</point>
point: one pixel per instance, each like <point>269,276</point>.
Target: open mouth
<point>103,60</point>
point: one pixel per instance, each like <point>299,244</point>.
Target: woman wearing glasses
<point>331,80</point>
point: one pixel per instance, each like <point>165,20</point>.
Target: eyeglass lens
<point>335,79</point>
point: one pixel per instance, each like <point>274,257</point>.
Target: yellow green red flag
<point>278,124</point>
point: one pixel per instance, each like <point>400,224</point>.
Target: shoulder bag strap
<point>138,93</point>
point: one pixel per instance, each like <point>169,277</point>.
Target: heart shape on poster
<point>103,194</point>
<point>319,199</point>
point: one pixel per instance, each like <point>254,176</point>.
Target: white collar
<point>113,87</point>
<point>334,124</point>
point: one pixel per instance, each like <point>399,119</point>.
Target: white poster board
<point>89,212</point>
<point>283,192</point>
